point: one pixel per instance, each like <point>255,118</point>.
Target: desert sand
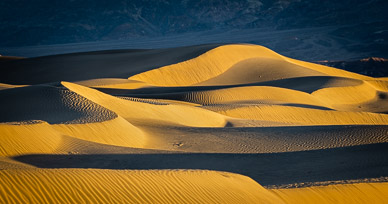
<point>234,123</point>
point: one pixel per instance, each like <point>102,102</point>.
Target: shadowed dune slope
<point>114,83</point>
<point>304,84</point>
<point>8,163</point>
<point>92,65</point>
<point>263,139</point>
<point>51,104</point>
<point>68,113</point>
<point>286,168</point>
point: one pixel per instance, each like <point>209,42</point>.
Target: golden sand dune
<point>36,137</point>
<point>118,132</point>
<point>254,70</point>
<point>222,59</point>
<point>70,114</point>
<point>347,95</point>
<point>238,108</point>
<point>346,193</point>
<point>139,111</point>
<point>109,186</point>
<point>9,86</point>
<point>305,116</point>
<point>380,85</point>
<point>190,186</point>
<point>249,94</point>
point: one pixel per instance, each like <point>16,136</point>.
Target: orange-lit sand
<point>170,134</point>
<point>345,193</point>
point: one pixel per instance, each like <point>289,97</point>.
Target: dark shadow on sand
<point>93,65</point>
<point>306,84</point>
<point>357,162</point>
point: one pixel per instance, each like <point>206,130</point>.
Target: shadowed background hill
<point>359,28</point>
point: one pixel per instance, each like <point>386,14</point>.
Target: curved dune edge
<point>38,137</point>
<point>340,193</point>
<point>42,138</point>
<point>113,83</point>
<point>138,111</point>
<point>55,105</point>
<point>118,132</point>
<point>305,116</point>
<point>10,86</point>
<point>206,66</point>
<point>219,60</point>
<point>9,163</point>
<point>257,69</point>
<point>251,93</point>
<point>328,70</point>
<point>379,84</point>
<point>123,186</point>
<point>346,95</point>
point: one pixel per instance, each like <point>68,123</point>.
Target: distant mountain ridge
<point>372,66</point>
<point>25,22</point>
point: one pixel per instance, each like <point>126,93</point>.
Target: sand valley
<point>236,123</point>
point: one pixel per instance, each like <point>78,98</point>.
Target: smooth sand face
<point>118,186</point>
<point>238,108</point>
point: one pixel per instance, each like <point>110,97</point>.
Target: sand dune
<point>271,138</point>
<point>102,186</point>
<point>379,84</point>
<point>114,83</point>
<point>348,193</point>
<point>127,126</point>
<point>9,86</point>
<point>47,103</point>
<point>94,65</point>
<point>305,116</point>
<point>71,113</point>
<point>117,132</point>
<point>8,163</point>
<point>247,94</point>
<point>254,70</point>
<point>139,111</point>
<point>204,67</point>
<point>36,137</point>
<point>347,95</point>
<point>221,59</point>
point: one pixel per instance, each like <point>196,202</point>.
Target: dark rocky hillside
<point>26,22</point>
<point>372,66</point>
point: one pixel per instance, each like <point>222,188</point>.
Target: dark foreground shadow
<point>357,162</point>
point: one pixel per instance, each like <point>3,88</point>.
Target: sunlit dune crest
<point>239,108</point>
<point>183,186</point>
<point>222,59</point>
